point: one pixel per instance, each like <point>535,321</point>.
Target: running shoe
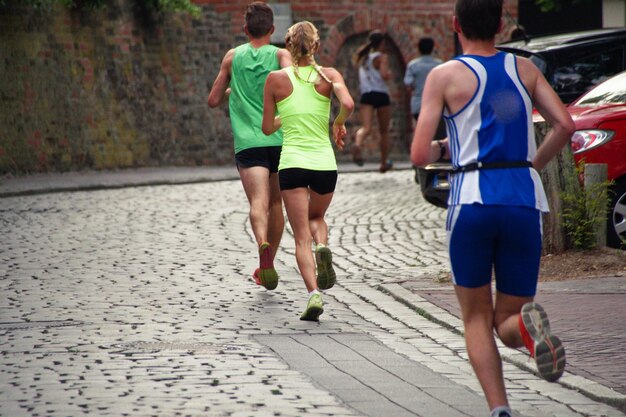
<point>314,308</point>
<point>267,273</point>
<point>256,277</point>
<point>356,155</point>
<point>386,166</point>
<point>326,276</point>
<point>545,347</point>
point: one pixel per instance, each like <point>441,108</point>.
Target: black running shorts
<point>322,182</point>
<point>375,99</point>
<point>266,156</point>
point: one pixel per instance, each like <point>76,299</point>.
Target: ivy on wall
<point>185,6</point>
<point>556,5</point>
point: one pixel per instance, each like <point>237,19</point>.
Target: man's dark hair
<point>479,19</point>
<point>425,46</point>
<point>374,39</point>
<point>259,19</point>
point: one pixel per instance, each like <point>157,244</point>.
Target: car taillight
<point>583,140</point>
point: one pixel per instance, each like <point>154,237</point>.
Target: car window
<point>610,92</point>
<point>577,74</point>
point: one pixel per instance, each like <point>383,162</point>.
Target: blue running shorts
<point>505,239</point>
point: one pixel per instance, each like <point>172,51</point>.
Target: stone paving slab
<point>363,372</point>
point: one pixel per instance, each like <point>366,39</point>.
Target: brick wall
<point>117,88</point>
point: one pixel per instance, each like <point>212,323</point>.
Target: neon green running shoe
<point>267,272</point>
<point>314,308</point>
<point>326,276</point>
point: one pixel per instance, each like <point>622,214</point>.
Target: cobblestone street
<point>139,302</point>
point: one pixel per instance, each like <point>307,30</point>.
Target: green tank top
<point>304,115</point>
<point>249,70</point>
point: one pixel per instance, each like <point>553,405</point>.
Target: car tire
<point>616,222</point>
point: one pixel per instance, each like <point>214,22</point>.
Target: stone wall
<point>121,87</point>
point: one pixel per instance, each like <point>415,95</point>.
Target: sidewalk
<point>587,314</point>
<point>98,180</point>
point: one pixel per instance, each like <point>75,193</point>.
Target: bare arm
<point>383,67</point>
<point>270,123</point>
<point>220,85</point>
<point>553,111</point>
<point>423,149</point>
<point>284,58</point>
<point>346,106</point>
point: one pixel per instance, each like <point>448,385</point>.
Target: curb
<point>38,184</point>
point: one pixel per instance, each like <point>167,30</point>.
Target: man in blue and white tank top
<point>496,197</point>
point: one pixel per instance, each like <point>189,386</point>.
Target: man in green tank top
<point>241,79</point>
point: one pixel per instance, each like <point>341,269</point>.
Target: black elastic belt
<point>492,165</point>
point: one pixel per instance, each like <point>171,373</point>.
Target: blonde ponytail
<point>302,40</point>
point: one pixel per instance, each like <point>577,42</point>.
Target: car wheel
<point>616,225</point>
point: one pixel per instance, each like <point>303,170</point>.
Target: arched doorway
<point>400,126</point>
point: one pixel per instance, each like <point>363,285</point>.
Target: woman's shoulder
<point>278,75</point>
<point>330,70</point>
<point>332,73</point>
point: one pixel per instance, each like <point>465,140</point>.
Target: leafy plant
<point>556,5</point>
<point>71,4</point>
<point>175,6</point>
<point>584,208</point>
<point>167,6</point>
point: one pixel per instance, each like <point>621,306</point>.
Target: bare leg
<point>366,112</point>
<point>276,223</point>
<point>384,117</point>
<point>507,313</point>
<point>478,320</point>
<point>297,206</point>
<point>318,204</point>
<point>256,184</point>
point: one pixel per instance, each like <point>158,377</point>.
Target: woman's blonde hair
<point>302,40</point>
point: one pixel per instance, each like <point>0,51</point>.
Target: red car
<point>600,137</point>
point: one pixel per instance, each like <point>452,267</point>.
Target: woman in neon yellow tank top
<point>307,171</point>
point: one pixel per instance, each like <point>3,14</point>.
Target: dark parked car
<point>600,137</point>
<point>574,62</point>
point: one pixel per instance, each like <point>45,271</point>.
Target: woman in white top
<point>373,74</point>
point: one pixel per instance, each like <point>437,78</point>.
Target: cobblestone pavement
<point>138,302</point>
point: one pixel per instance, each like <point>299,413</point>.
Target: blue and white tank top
<point>370,80</point>
<point>495,126</point>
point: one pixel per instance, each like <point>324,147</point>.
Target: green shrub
<point>174,6</point>
<point>167,6</point>
<point>40,4</point>
<point>584,209</point>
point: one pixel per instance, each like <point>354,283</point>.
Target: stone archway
<point>343,40</point>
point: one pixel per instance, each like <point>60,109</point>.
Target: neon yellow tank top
<point>304,115</point>
<point>248,73</point>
